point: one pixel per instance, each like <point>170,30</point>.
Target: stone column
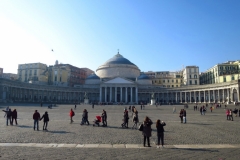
<point>204,100</point>
<point>209,97</point>
<point>126,94</point>
<point>115,94</point>
<point>223,96</point>
<point>218,96</point>
<point>100,98</point>
<point>110,94</point>
<point>180,97</point>
<point>214,97</point>
<point>176,97</point>
<point>120,94</point>
<point>195,96</point>
<point>131,95</point>
<point>136,89</point>
<point>185,97</point>
<point>105,94</point>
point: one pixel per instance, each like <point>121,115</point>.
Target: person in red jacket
<point>36,118</point>
<point>71,114</point>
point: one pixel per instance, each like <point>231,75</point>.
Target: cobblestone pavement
<point>20,153</point>
<point>213,128</point>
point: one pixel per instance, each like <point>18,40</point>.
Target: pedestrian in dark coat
<point>45,118</point>
<point>85,117</point>
<point>14,116</point>
<point>181,115</point>
<point>8,115</point>
<point>36,118</point>
<point>160,132</point>
<point>125,118</point>
<point>104,118</point>
<point>147,131</point>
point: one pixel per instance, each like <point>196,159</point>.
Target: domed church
<point>118,80</point>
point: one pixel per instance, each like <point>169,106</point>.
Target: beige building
<point>33,73</point>
<point>191,75</point>
<point>220,73</point>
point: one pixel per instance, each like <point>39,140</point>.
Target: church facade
<point>119,81</point>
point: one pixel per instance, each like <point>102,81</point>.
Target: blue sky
<point>156,35</point>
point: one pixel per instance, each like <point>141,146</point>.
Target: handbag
<point>140,128</point>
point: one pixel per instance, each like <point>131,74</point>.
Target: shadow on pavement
<point>196,149</point>
<point>204,124</point>
<point>59,132</point>
<point>23,126</point>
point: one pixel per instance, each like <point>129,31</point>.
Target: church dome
<point>118,66</point>
<point>118,59</point>
<point>93,76</point>
<point>143,76</point>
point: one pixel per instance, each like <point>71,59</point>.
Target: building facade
<point>220,73</point>
<point>1,72</point>
<point>119,80</point>
<point>191,75</point>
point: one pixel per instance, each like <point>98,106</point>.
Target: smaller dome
<point>93,76</point>
<point>143,76</point>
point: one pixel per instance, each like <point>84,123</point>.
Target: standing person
<point>211,108</point>
<point>174,109</point>
<point>45,120</point>
<point>8,114</point>
<point>14,116</point>
<point>227,113</point>
<point>147,131</point>
<point>36,118</point>
<point>125,118</point>
<point>104,118</point>
<point>184,116</point>
<point>141,106</point>
<point>71,114</point>
<point>92,105</point>
<point>84,117</point>
<point>181,115</point>
<point>160,132</point>
<point>201,110</point>
<point>135,118</point>
<point>75,106</point>
<point>230,115</point>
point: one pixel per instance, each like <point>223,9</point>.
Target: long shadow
<point>23,126</point>
<point>203,124</point>
<point>196,149</point>
<point>59,132</point>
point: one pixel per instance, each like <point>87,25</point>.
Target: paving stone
<point>80,145</point>
<point>91,145</point>
<point>119,146</point>
<point>105,146</point>
<point>132,146</point>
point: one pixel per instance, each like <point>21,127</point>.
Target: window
<point>190,82</point>
<point>35,72</point>
<point>233,78</point>
<point>172,85</point>
<point>168,85</point>
<point>164,81</point>
<point>224,79</point>
<point>168,80</point>
<point>195,81</point>
<point>190,76</point>
<point>176,81</point>
<point>176,85</point>
<point>55,78</point>
<point>60,79</point>
<point>172,80</point>
<point>195,76</point>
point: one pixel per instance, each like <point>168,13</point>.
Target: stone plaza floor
<point>208,136</point>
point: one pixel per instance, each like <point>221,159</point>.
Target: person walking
<point>174,109</point>
<point>36,118</point>
<point>104,118</point>
<point>71,114</point>
<point>227,113</point>
<point>230,114</point>
<point>184,116</point>
<point>8,114</point>
<point>160,132</point>
<point>14,116</point>
<point>147,131</point>
<point>125,118</point>
<point>181,115</point>
<point>45,118</point>
<point>84,117</point>
<point>135,118</point>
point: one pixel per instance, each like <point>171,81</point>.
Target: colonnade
<point>118,94</point>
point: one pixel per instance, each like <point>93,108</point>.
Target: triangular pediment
<point>119,80</point>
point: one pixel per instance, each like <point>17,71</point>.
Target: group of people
<point>10,116</point>
<point>147,132</point>
<point>37,118</point>
<point>183,116</point>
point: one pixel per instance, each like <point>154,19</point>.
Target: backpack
<point>73,114</point>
